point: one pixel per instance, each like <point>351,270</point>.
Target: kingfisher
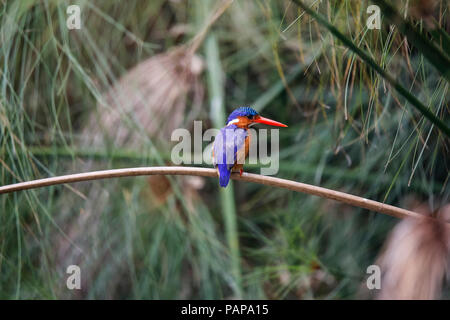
<point>232,143</point>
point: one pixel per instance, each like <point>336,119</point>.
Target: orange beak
<point>269,122</point>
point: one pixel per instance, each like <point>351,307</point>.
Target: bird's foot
<point>241,171</point>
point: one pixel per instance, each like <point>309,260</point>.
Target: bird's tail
<point>224,175</point>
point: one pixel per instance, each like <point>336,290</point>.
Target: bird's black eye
<point>250,117</point>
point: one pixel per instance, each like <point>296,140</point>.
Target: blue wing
<point>229,140</point>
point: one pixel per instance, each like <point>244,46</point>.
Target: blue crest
<point>242,112</point>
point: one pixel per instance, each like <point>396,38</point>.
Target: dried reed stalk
<point>206,172</point>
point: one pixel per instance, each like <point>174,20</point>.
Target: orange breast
<point>242,153</point>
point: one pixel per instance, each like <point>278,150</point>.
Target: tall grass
<point>348,130</point>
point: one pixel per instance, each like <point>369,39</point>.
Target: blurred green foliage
<point>349,130</point>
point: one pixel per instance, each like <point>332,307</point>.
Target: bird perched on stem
<point>232,144</point>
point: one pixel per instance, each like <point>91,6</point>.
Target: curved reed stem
<point>206,172</point>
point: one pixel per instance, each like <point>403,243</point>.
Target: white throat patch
<point>233,121</point>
